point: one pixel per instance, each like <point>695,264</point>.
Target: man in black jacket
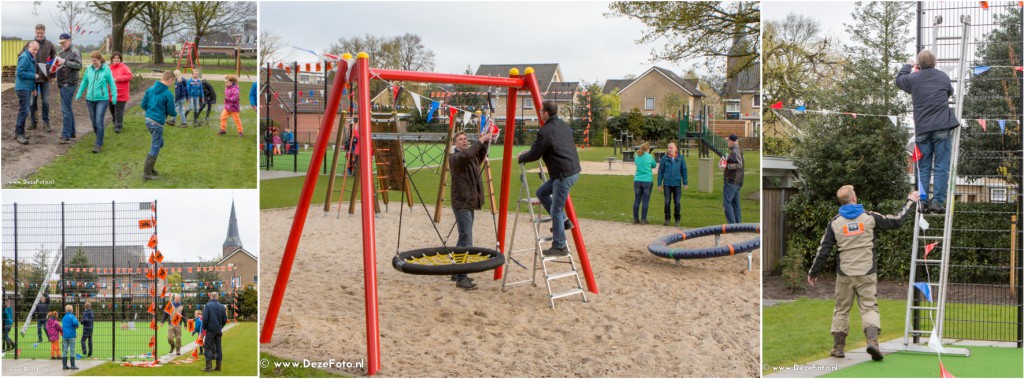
<point>556,146</point>
<point>214,319</point>
<point>42,309</point>
<point>67,84</point>
<point>467,191</point>
<point>47,52</point>
<point>853,232</point>
<point>934,120</point>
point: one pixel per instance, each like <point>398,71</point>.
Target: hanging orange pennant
<point>307,67</point>
<point>169,309</point>
<point>163,293</point>
<point>152,242</point>
<point>191,326</point>
<point>152,342</point>
<point>152,207</point>
<point>328,66</point>
<point>199,341</point>
<point>152,292</point>
<point>195,353</point>
<point>189,270</point>
<point>145,224</point>
<point>152,308</point>
<point>159,256</point>
<point>176,319</point>
<point>149,274</point>
<point>161,273</point>
<point>152,259</point>
<point>152,324</point>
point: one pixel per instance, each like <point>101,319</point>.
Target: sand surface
<point>652,317</point>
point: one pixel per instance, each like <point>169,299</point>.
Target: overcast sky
<point>191,223</point>
<point>831,15</point>
<point>19,21</point>
<point>587,45</point>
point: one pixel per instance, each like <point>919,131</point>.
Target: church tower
<point>232,242</point>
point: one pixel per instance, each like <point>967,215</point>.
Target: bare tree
<point>160,20</point>
<point>70,14</point>
<point>117,14</point>
<point>412,55</point>
<point>205,18</point>
<point>270,44</point>
<point>405,52</point>
<point>370,44</point>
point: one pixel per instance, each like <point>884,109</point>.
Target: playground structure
<point>359,73</point>
<point>107,255</point>
<point>189,53</point>
<point>660,246</point>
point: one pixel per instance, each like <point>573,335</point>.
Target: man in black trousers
<point>214,319</point>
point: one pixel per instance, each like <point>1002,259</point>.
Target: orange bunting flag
<point>152,342</point>
<point>928,249</point>
<point>152,259</point>
<point>195,353</point>
<point>159,256</point>
<point>189,270</point>
<point>149,274</point>
<point>943,373</point>
<point>199,341</point>
<point>318,67</point>
<point>162,273</point>
<point>777,105</point>
<point>169,309</point>
<point>176,319</point>
<point>152,324</point>
<point>152,242</point>
<point>152,292</point>
<point>328,66</point>
<point>145,224</point>
<point>984,4</point>
<point>152,207</point>
<point>307,67</point>
<point>152,308</point>
<point>287,70</point>
<point>163,293</point>
<point>191,326</point>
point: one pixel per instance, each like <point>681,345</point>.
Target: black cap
<point>65,36</point>
<point>733,137</point>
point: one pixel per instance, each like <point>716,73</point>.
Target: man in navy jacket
<point>214,319</point>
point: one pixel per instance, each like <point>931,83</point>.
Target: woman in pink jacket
<point>123,79</point>
<point>231,107</point>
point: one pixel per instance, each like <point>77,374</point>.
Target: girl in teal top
<point>100,93</point>
<point>643,181</point>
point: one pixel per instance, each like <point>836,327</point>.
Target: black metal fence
<point>984,294</point>
<point>101,259</point>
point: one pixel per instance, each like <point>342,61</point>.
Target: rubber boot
<point>73,367</point>
<point>209,366</point>
<point>839,344</point>
<point>871,333</point>
<point>217,368</point>
<point>148,173</point>
<point>65,363</point>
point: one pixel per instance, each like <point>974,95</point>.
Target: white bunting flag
<point>935,340</point>
<point>465,117</point>
<point>416,99</point>
<point>893,119</point>
<point>921,221</point>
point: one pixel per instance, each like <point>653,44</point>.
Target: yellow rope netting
<point>447,259</point>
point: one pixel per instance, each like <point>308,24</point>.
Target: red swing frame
<point>362,73</point>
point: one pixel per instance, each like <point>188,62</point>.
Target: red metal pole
<point>506,168</point>
<point>366,192</point>
<point>430,77</point>
<point>308,186</point>
<point>570,211</point>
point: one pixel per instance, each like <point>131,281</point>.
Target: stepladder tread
<point>561,275</point>
<point>566,293</point>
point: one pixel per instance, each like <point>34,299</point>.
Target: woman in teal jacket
<point>643,181</point>
<point>101,92</point>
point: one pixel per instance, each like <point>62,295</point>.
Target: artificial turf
<point>128,342</point>
<point>984,362</point>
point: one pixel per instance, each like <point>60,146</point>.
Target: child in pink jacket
<point>122,79</point>
<point>231,106</point>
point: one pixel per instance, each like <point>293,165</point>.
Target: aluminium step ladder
<point>922,239</point>
<point>537,222</point>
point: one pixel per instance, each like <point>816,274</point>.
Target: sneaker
<point>22,140</point>
<point>636,222</point>
<point>32,126</point>
<point>222,132</point>
<point>677,222</point>
<point>63,140</point>
<point>936,208</point>
<point>96,149</point>
<point>465,284</point>
<point>117,129</point>
<point>665,223</point>
<point>46,126</point>
<point>643,222</point>
<point>923,205</point>
<point>456,278</point>
<point>555,252</point>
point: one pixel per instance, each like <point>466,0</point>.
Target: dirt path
<point>21,161</point>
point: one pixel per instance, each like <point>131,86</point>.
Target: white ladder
<point>921,240</point>
<point>538,248</point>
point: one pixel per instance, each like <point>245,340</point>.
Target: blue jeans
<point>641,194</point>
<point>68,350</point>
<point>179,106</point>
<point>673,193</point>
<point>67,95</point>
<point>552,195</point>
<point>87,343</point>
<point>43,94</point>
<point>97,109</point>
<point>934,148</point>
<point>8,342</point>
<point>156,133</point>
<point>194,106</point>
<point>731,203</point>
<point>464,222</point>
<point>24,98</point>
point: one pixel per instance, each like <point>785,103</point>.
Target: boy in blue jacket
<point>180,98</point>
<point>195,96</point>
<point>158,102</point>
<point>87,320</point>
<point>69,325</point>
<point>672,174</point>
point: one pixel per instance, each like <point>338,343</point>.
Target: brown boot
<point>839,344</point>
<point>209,366</point>
<point>871,333</point>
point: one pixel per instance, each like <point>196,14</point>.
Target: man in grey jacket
<point>934,120</point>
<point>67,84</point>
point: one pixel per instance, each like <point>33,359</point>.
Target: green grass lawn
<point>984,362</point>
<point>275,370</point>
<point>799,332</point>
<point>599,197</point>
<point>190,158</point>
<point>239,345</point>
<point>128,342</point>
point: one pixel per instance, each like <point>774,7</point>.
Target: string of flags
<point>985,5</point>
<point>139,270</point>
<point>983,122</point>
<point>978,70</point>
